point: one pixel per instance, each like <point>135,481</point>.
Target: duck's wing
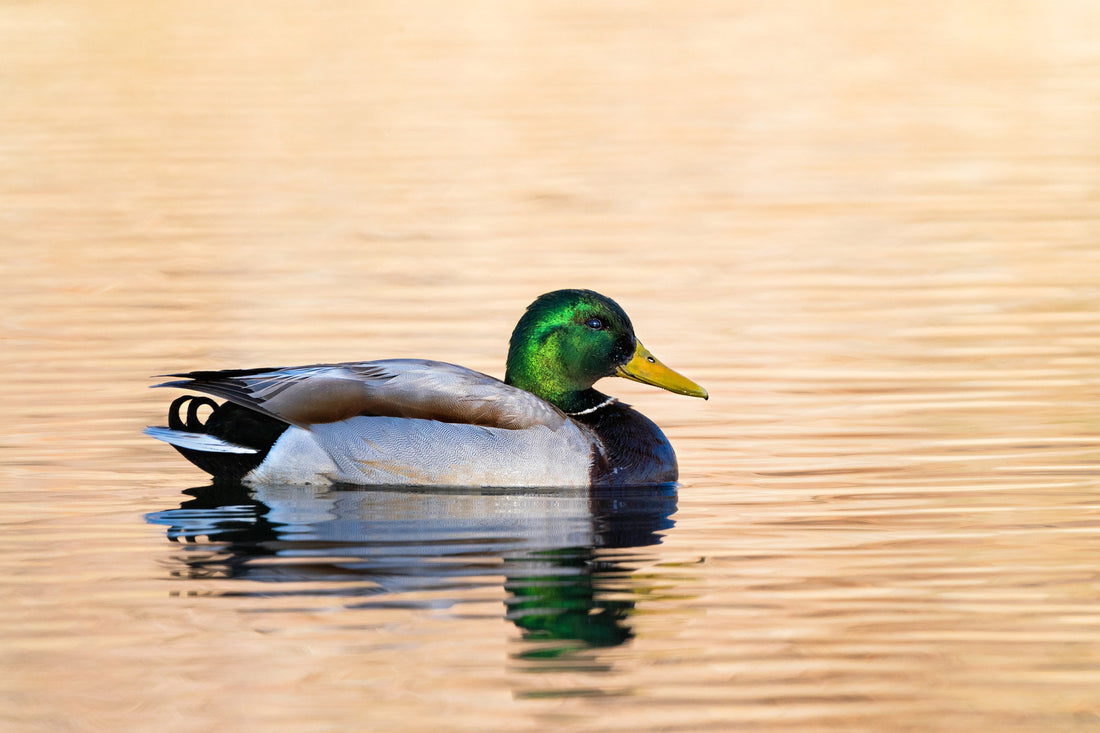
<point>411,388</point>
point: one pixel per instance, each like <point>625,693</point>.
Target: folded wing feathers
<point>391,388</point>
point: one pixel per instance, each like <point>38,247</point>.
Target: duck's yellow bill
<point>646,368</point>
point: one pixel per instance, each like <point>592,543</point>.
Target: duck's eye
<point>594,323</point>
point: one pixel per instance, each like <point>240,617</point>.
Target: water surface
<point>870,232</point>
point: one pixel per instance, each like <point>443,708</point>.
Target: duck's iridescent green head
<point>568,339</point>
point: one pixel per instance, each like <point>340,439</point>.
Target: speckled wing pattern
<point>410,388</point>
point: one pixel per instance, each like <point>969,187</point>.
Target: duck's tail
<point>195,441</point>
<point>228,445</point>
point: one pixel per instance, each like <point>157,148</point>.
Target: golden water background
<point>871,230</point>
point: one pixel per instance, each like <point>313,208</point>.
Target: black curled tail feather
<point>230,422</point>
<point>191,423</point>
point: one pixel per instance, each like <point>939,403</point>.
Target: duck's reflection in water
<point>564,553</point>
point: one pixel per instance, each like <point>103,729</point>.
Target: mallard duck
<point>417,422</point>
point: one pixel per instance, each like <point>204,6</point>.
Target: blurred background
<point>869,229</point>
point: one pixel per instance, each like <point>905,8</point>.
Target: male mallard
<point>417,422</point>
